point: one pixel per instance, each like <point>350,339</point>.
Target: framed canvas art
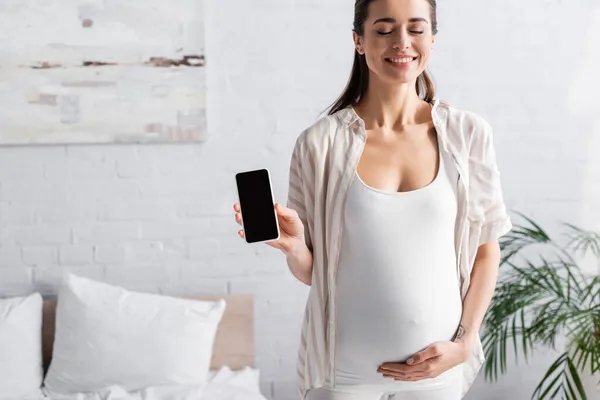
<point>102,71</point>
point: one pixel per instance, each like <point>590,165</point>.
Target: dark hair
<point>359,77</point>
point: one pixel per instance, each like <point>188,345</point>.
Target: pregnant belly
<point>389,321</point>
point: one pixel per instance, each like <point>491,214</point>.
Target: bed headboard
<point>234,342</point>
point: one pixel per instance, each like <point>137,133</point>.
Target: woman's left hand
<point>429,363</point>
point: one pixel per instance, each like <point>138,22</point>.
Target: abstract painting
<point>102,71</point>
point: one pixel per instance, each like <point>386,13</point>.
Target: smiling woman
<point>403,40</point>
<point>396,210</point>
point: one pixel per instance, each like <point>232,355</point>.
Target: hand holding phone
<point>263,220</point>
<point>291,228</point>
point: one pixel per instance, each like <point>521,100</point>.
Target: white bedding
<point>223,385</point>
<point>107,335</point>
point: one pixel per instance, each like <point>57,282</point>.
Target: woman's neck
<point>392,107</point>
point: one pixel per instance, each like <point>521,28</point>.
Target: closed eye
<point>388,33</point>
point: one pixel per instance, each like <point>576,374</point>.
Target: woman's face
<point>397,39</point>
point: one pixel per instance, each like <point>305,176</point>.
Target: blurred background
<point>158,216</point>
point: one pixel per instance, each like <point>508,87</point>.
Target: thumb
<point>424,355</point>
<point>285,212</point>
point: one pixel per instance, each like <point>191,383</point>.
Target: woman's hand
<point>429,363</point>
<point>290,226</point>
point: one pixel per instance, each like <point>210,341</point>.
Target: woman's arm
<point>300,261</point>
<point>486,204</point>
<point>481,290</point>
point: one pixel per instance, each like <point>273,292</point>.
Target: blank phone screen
<point>257,206</point>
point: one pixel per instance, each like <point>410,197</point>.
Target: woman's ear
<point>358,43</point>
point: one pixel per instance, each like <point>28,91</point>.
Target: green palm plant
<point>541,297</point>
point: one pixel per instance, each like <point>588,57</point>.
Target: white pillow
<point>21,370</point>
<point>247,378</point>
<point>107,336</point>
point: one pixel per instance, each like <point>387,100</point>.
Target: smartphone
<point>255,195</point>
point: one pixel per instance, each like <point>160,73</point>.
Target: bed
<point>233,375</point>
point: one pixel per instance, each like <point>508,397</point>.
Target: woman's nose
<point>401,42</point>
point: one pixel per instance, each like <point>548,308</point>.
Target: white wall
<point>159,217</point>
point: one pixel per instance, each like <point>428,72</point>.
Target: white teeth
<point>401,60</point>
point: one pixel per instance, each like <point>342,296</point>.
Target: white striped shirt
<point>322,167</point>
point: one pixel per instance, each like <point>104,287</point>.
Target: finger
<point>236,207</point>
<point>241,233</point>
<point>406,377</point>
<point>398,377</point>
<point>281,244</point>
<point>421,370</point>
<point>275,244</point>
<point>422,356</point>
<point>394,373</point>
<point>285,212</point>
<point>410,379</point>
<point>425,369</point>
<point>238,218</point>
<point>393,367</point>
<point>405,369</point>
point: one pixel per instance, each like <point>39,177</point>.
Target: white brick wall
<point>159,218</point>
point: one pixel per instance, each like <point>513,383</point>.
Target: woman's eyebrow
<point>393,20</point>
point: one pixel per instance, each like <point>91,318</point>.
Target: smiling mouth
<point>401,60</point>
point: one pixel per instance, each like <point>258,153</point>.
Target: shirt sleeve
<point>299,193</point>
<point>487,212</point>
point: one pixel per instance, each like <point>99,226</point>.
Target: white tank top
<point>397,278</point>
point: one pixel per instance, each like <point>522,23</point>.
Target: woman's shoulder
<point>462,116</point>
<point>322,130</point>
<point>463,124</point>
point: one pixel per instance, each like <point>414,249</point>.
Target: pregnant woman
<point>393,217</point>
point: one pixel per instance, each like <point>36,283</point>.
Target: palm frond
<point>562,378</point>
<point>585,346</point>
<point>521,237</point>
<point>537,302</point>
<point>583,241</point>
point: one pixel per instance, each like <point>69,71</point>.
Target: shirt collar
<point>439,115</point>
<point>349,116</point>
